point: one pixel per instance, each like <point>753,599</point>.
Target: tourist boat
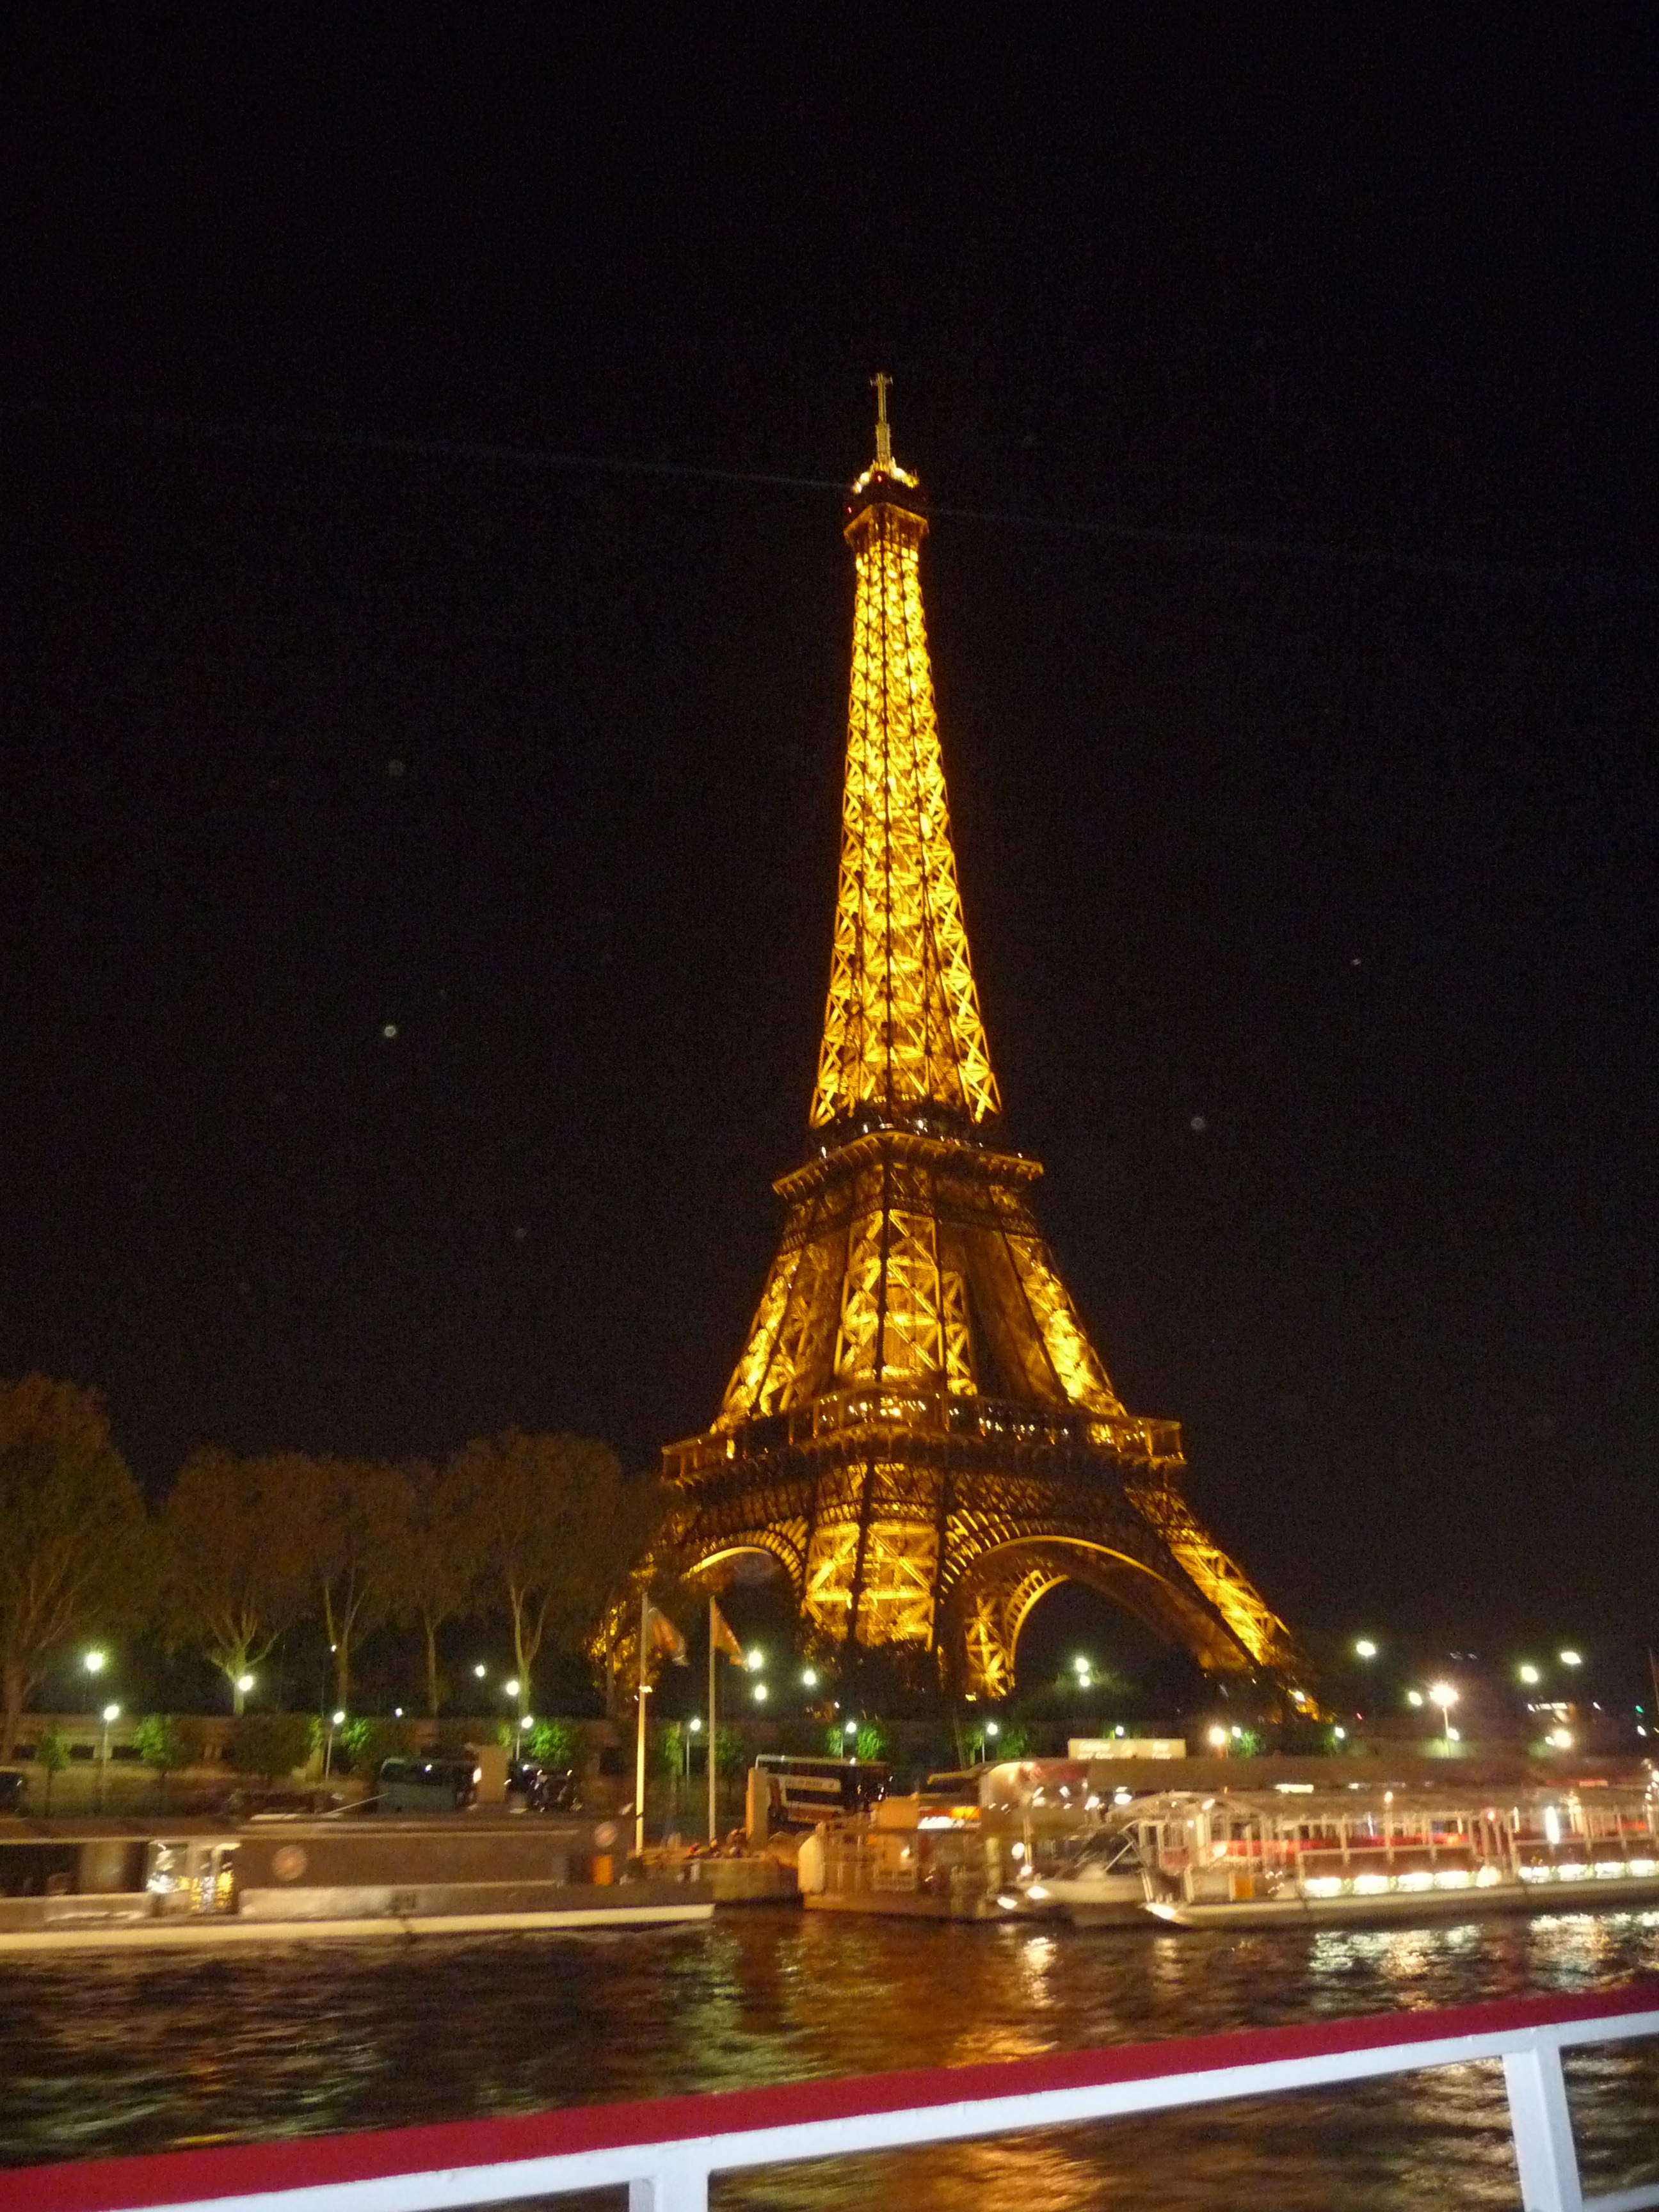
<point>1255,1858</point>
<point>1016,1840</point>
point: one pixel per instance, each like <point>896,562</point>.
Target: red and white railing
<point>665,2150</point>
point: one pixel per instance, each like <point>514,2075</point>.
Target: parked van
<point>426,1786</point>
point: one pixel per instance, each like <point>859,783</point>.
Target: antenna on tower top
<point>880,380</point>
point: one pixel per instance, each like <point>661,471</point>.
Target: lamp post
<point>111,1713</point>
<point>336,1720</point>
<point>1444,1695</point>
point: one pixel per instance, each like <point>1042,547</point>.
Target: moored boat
<point>1255,1858</point>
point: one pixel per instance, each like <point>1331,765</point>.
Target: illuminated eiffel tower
<point>918,1428</point>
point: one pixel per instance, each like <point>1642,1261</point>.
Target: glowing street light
<point>245,1683</point>
<point>95,1662</point>
<point>1528,1673</point>
<point>111,1713</point>
<point>810,1677</point>
<point>760,1693</point>
<point>994,1729</point>
<point>1444,1695</point>
<point>481,1670</point>
<point>756,1660</point>
<point>1364,1648</point>
<point>696,1724</point>
<point>1560,1739</point>
<point>1217,1738</point>
<point>1570,1658</point>
<point>1414,1697</point>
<point>849,1727</point>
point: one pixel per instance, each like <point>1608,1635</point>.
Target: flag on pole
<point>720,1636</point>
<point>662,1634</point>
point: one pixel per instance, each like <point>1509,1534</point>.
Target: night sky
<point>417,851</point>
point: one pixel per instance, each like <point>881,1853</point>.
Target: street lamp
<point>1217,1738</point>
<point>849,1727</point>
<point>481,1670</point>
<point>1364,1648</point>
<point>336,1720</point>
<point>95,1662</point>
<point>111,1713</point>
<point>810,1678</point>
<point>1529,1674</point>
<point>1414,1697</point>
<point>1444,1695</point>
<point>757,1660</point>
<point>1570,1658</point>
<point>760,1693</point>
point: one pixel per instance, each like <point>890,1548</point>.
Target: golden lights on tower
<point>919,1427</point>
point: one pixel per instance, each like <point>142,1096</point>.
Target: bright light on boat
<point>1371,1885</point>
<point>1323,1885</point>
<point>1418,1880</point>
<point>1453,1878</point>
<point>1552,1825</point>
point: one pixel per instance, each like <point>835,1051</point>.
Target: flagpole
<point>713,1816</point>
<point>639,1745</point>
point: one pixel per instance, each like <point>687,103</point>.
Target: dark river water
<point>99,2055</point>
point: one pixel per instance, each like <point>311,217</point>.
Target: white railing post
<point>1543,2125</point>
<point>676,2187</point>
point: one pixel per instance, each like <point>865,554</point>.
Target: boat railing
<point>665,2150</point>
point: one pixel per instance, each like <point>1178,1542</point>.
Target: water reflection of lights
<point>1036,1960</point>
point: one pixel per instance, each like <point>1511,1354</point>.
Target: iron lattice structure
<point>918,1428</point>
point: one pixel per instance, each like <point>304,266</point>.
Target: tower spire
<point>902,1029</point>
<point>881,384</point>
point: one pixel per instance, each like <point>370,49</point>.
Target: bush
<point>564,1743</point>
<point>270,1745</point>
<point>368,1742</point>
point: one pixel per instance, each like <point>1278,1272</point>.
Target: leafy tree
<point>236,1571</point>
<point>558,1743</point>
<point>368,1742</point>
<point>167,1741</point>
<point>353,1513</point>
<point>76,1555</point>
<point>554,1514</point>
<point>52,1756</point>
<point>270,1745</point>
<point>435,1559</point>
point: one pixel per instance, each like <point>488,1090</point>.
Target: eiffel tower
<point>918,1428</point>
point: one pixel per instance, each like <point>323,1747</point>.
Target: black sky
<point>1310,877</point>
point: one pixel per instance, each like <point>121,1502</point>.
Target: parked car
<point>426,1785</point>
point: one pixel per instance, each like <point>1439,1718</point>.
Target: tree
<point>52,1756</point>
<point>436,1558</point>
<point>236,1572</point>
<point>549,1509</point>
<point>353,1513</point>
<point>270,1745</point>
<point>75,1555</point>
